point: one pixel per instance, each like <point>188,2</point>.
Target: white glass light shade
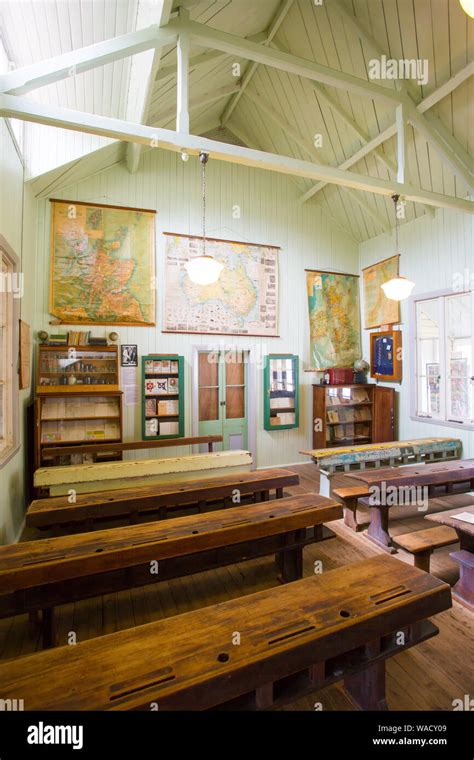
<point>204,270</point>
<point>398,288</point>
<point>468,7</point>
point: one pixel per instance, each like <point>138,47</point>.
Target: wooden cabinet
<point>65,419</point>
<point>345,415</point>
<point>162,396</point>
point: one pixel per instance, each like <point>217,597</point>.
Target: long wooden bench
<point>291,640</point>
<point>422,543</point>
<point>43,574</point>
<point>108,476</point>
<point>349,497</point>
<point>136,503</point>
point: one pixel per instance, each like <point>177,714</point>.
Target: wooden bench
<point>43,574</point>
<point>422,543</point>
<point>293,640</point>
<point>54,453</point>
<point>349,497</point>
<point>136,503</point>
<point>108,476</point>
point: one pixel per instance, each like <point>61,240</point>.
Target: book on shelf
<point>174,367</point>
<point>333,416</point>
<point>169,428</point>
<point>97,341</point>
<point>57,340</point>
<point>360,396</point>
<point>155,387</point>
<point>78,337</point>
<point>168,408</point>
<point>151,427</point>
<point>173,385</point>
<point>150,407</point>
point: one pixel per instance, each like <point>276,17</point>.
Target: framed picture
<point>386,356</point>
<point>128,355</point>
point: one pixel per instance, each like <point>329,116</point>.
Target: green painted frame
<point>163,357</point>
<point>266,391</point>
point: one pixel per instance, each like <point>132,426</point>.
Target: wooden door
<point>384,414</point>
<point>222,396</point>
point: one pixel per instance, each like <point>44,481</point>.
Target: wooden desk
<point>293,640</point>
<point>463,591</point>
<point>136,503</point>
<point>347,459</point>
<point>437,479</point>
<point>42,574</point>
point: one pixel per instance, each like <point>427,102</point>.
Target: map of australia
<point>244,300</point>
<point>102,264</point>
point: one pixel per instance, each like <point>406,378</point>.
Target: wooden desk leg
<point>463,590</point>
<point>49,628</point>
<point>290,561</point>
<point>350,514</point>
<point>367,688</point>
<point>378,528</point>
<point>279,493</point>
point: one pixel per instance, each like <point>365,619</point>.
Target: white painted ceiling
<point>435,30</point>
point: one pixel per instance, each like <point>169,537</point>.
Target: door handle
<point>222,403</point>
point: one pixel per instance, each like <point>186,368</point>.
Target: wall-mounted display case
<point>386,356</point>
<point>281,392</point>
<point>76,369</point>
<point>162,396</point>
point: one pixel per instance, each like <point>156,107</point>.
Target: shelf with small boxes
<point>162,396</point>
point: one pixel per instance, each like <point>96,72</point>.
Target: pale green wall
<point>270,213</point>
<point>13,201</point>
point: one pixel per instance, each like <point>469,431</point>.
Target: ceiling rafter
<point>23,108</point>
<point>390,131</point>
<point>144,83</point>
<point>276,22</point>
<point>295,136</point>
<point>447,147</point>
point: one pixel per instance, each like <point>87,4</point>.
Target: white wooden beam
<point>22,108</point>
<point>440,93</point>
<point>21,81</point>
<point>182,109</point>
<point>200,60</point>
<point>282,12</point>
<point>401,142</point>
<point>205,36</point>
<point>143,71</point>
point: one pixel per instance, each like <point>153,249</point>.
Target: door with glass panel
<point>222,397</point>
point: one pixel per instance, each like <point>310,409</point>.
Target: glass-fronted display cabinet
<point>162,396</point>
<point>75,369</point>
<point>281,392</point>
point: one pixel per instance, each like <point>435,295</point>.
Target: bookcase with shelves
<point>345,415</point>
<point>162,396</point>
<point>65,419</point>
<point>281,392</point>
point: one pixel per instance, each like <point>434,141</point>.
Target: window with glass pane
<point>458,311</point>
<point>428,373</point>
<point>6,339</point>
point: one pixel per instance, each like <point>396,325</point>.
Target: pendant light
<point>398,288</point>
<point>468,7</point>
<point>203,269</point>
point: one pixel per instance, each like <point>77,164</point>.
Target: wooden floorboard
<point>428,677</point>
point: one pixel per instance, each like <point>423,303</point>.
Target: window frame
<point>11,418</point>
<point>441,296</point>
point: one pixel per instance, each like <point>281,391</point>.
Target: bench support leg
<point>378,528</point>
<point>279,493</point>
<point>49,628</point>
<point>264,697</point>
<point>422,560</point>
<point>367,688</point>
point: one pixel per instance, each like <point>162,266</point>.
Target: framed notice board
<point>162,396</point>
<point>386,355</point>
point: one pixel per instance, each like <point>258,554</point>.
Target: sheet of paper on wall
<point>465,517</point>
<point>129,386</point>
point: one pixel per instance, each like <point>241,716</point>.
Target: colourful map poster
<point>102,264</point>
<point>334,319</point>
<point>244,300</point>
<point>378,309</point>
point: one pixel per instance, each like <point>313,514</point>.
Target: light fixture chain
<point>203,185</point>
